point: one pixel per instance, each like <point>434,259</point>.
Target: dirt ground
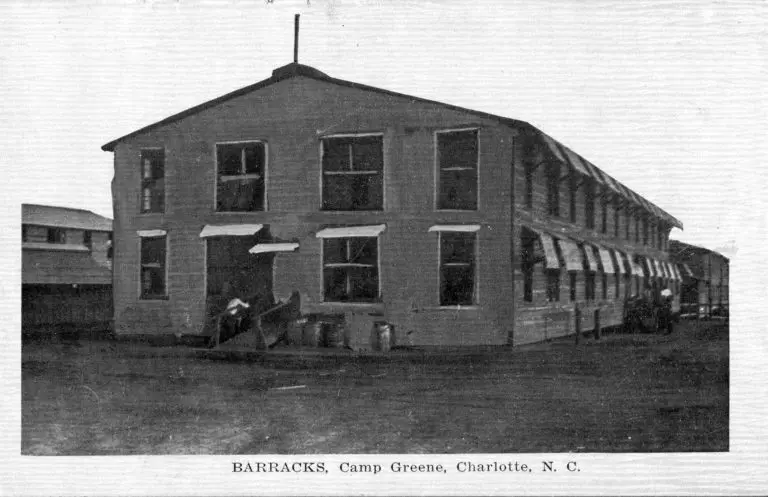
<point>623,393</point>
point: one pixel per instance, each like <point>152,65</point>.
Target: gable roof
<point>560,151</point>
<point>64,217</point>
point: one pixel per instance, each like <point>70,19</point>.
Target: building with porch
<point>456,226</point>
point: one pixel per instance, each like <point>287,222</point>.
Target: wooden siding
<point>52,266</point>
<point>291,116</point>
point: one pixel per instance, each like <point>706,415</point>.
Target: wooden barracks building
<point>458,227</point>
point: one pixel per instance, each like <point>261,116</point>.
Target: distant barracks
<point>458,227</point>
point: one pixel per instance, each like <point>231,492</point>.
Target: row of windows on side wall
<point>352,174</point>
<point>351,268</point>
<point>632,285</point>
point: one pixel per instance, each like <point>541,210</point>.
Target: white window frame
<point>476,276</point>
<point>142,234</point>
<point>436,169</point>
<point>240,176</point>
<point>322,174</point>
<point>142,212</point>
<point>323,266</point>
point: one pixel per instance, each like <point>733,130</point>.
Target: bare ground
<point>639,393</point>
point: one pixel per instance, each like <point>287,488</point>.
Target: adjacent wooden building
<point>456,226</point>
<point>705,274</point>
<point>66,271</point>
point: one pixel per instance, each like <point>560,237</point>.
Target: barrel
<point>312,334</point>
<point>334,335</point>
<point>383,336</point>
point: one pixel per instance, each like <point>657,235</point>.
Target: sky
<point>668,97</point>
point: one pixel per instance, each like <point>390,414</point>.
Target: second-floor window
<point>604,215</point>
<point>353,173</point>
<point>589,205</point>
<point>553,191</point>
<point>572,187</point>
<point>645,231</point>
<point>240,176</point>
<point>457,158</point>
<point>87,239</point>
<point>616,218</point>
<point>56,235</point>
<point>153,180</point>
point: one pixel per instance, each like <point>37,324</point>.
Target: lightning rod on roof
<point>296,39</point>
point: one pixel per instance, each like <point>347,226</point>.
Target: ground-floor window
<point>604,283</point>
<point>457,268</point>
<point>527,247</point>
<point>351,269</point>
<point>617,280</point>
<point>153,263</point>
<point>553,285</point>
<point>589,287</point>
<point>572,287</point>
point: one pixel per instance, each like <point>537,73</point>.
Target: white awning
<point>210,230</point>
<point>466,228</point>
<point>659,269</point>
<point>550,253</point>
<point>619,262</point>
<point>591,259</point>
<point>649,267</point>
<point>352,231</point>
<point>263,248</point>
<point>667,270</point>
<point>605,257</point>
<point>676,272</point>
<point>572,255</point>
<point>151,233</point>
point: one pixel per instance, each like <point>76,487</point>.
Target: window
<point>527,257</point>
<point>604,283</point>
<point>529,171</point>
<point>617,280</point>
<point>604,216</point>
<point>153,259</point>
<point>616,218</point>
<point>572,277</point>
<point>24,234</point>
<point>56,235</point>
<point>637,229</point>
<point>553,191</point>
<point>457,155</point>
<point>240,176</point>
<point>110,248</point>
<point>572,187</point>
<point>153,180</point>
<point>661,238</point>
<point>353,173</point>
<point>457,268</point>
<point>553,285</point>
<point>88,239</point>
<point>645,231</point>
<point>589,205</point>
<point>628,219</point>
<point>351,269</point>
<point>590,285</point>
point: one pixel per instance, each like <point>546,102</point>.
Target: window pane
<point>363,251</point>
<point>457,149</point>
<point>153,250</point>
<point>364,284</point>
<point>334,250</point>
<point>352,192</point>
<point>458,190</point>
<point>254,158</point>
<point>457,247</point>
<point>457,285</point>
<point>368,153</point>
<point>152,164</point>
<point>240,195</point>
<point>572,277</point>
<point>153,281</point>
<point>229,159</point>
<point>336,154</point>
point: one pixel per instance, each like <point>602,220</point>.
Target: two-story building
<point>459,227</point>
<point>66,268</point>
<point>704,290</point>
